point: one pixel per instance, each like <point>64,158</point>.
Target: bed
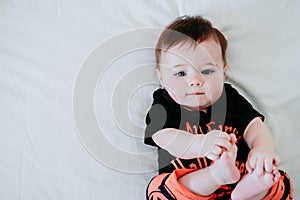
<point>76,79</point>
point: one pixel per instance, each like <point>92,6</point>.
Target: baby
<point>212,143</point>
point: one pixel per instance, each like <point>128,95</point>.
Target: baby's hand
<point>214,143</point>
<point>262,160</point>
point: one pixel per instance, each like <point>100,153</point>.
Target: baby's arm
<point>185,145</point>
<point>262,156</point>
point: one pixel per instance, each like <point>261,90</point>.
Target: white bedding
<point>54,54</point>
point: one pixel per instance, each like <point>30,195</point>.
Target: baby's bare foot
<point>259,185</point>
<point>224,170</point>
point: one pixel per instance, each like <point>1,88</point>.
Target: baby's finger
<point>276,177</point>
<point>251,164</point>
<point>259,167</point>
<point>275,169</point>
<point>232,138</point>
<point>224,135</point>
<point>216,150</point>
<point>249,169</point>
<point>268,165</point>
<point>221,142</point>
<point>276,161</point>
<point>212,156</point>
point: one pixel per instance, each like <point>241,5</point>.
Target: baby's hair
<point>189,29</point>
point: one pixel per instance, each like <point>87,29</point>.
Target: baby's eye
<point>207,71</point>
<point>182,73</point>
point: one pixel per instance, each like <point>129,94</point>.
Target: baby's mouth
<point>196,93</point>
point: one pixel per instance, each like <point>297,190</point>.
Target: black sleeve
<point>161,115</point>
<point>244,111</point>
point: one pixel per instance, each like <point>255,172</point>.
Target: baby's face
<point>193,76</point>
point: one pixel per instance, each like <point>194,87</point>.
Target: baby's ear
<point>225,70</point>
<point>159,76</point>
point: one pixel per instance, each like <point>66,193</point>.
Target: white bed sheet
<point>45,44</point>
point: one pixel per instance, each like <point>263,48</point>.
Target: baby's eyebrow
<point>201,65</point>
<point>180,65</point>
<point>209,64</point>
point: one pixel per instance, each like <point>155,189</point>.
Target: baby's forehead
<point>206,50</point>
<point>192,45</point>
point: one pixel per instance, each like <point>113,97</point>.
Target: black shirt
<point>231,114</point>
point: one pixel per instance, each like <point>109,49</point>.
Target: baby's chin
<point>194,107</point>
<point>201,105</point>
<point>183,102</point>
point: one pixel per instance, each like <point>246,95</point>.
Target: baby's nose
<point>195,84</point>
<point>196,81</point>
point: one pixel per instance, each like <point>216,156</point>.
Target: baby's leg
<point>252,186</point>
